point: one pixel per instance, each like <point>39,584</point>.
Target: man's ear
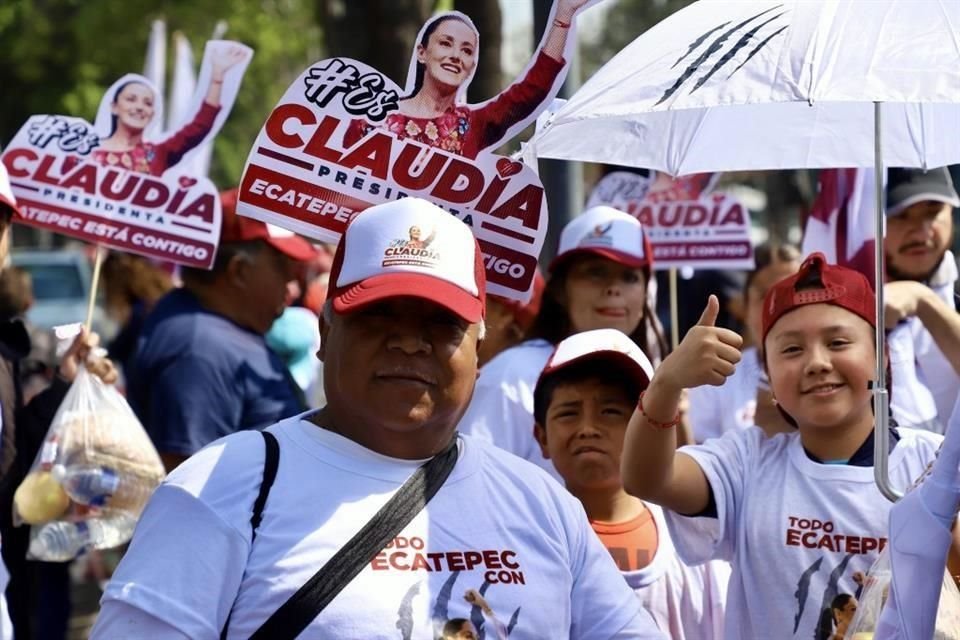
<point>540,434</point>
<point>238,269</point>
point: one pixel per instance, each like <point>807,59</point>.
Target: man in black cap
<point>921,273</point>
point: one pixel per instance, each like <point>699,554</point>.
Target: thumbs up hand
<point>706,355</point>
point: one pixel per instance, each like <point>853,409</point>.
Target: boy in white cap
<point>353,482</point>
<point>582,403</point>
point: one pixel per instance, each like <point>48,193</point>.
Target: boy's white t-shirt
<point>501,410</point>
<point>686,602</point>
<point>713,411</point>
<point>795,531</point>
<point>497,526</point>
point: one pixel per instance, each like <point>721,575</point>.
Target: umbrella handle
<point>881,398</point>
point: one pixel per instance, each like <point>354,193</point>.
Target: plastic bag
<point>874,596</point>
<point>92,477</point>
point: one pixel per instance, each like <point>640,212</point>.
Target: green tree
<point>61,55</point>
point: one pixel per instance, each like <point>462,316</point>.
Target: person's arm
<point>224,60</point>
<point>651,467</point>
<point>556,40</point>
<point>907,298</point>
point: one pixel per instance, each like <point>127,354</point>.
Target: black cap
<point>906,187</point>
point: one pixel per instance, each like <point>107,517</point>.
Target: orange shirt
<point>632,543</point>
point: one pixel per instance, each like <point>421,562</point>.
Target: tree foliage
<point>61,55</point>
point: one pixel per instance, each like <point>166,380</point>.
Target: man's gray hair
<point>328,318</point>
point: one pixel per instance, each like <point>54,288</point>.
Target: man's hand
<point>79,354</point>
<point>707,354</point>
<point>902,300</point>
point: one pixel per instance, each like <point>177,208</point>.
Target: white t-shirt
<point>686,602</point>
<point>497,526</point>
<point>715,410</point>
<point>501,410</point>
<point>794,530</point>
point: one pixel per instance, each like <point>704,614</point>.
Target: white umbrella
<point>727,85</point>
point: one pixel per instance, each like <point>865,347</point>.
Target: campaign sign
<point>344,137</point>
<point>117,183</point>
<point>688,225</point>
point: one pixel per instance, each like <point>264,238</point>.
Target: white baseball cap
<point>6,191</point>
<point>606,232</point>
<point>408,247</point>
<point>607,345</point>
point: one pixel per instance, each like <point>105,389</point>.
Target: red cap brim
<point>619,257</point>
<point>294,247</point>
<point>396,285</point>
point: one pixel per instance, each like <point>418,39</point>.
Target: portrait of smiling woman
<point>133,106</point>
<point>434,111</point>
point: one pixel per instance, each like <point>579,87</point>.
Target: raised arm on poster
<point>344,138</point>
<point>117,183</point>
<point>688,224</point>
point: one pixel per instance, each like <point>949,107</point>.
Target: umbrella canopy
<point>767,84</point>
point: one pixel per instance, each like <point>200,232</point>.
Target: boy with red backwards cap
<point>797,514</point>
<point>582,403</point>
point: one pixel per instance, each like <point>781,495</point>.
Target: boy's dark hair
<point>591,369</point>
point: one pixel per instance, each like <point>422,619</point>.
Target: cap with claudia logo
<point>237,228</point>
<point>603,345</point>
<point>907,187</point>
<point>818,282</point>
<point>408,247</point>
<point>606,232</point>
<point>6,191</point>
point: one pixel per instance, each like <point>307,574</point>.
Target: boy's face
<point>820,358</point>
<point>586,422</point>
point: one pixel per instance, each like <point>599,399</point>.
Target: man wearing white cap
<point>348,542</point>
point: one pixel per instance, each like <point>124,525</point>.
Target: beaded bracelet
<point>656,423</point>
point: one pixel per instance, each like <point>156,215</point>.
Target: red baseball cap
<point>816,282</point>
<point>408,247</point>
<point>237,228</point>
<point>606,232</point>
<point>6,191</point>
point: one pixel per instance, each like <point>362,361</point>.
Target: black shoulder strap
<point>269,475</point>
<point>305,605</point>
<point>270,464</point>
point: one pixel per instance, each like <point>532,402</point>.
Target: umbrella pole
<point>881,399</point>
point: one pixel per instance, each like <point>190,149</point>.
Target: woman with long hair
<point>744,400</point>
<point>598,280</point>
<point>435,112</point>
<point>133,108</point>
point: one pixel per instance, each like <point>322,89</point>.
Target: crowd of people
<point>585,481</point>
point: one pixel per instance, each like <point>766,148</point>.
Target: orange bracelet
<point>656,423</point>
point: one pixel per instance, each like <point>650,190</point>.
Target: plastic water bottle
<point>103,487</point>
<point>61,541</point>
